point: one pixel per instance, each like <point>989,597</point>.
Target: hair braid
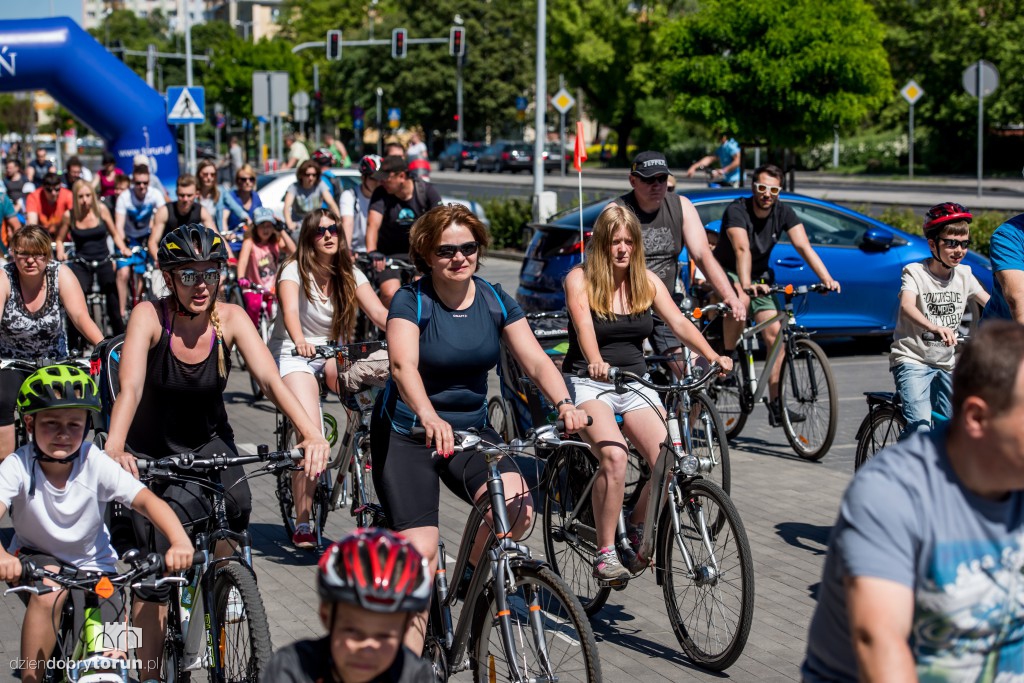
<point>215,321</point>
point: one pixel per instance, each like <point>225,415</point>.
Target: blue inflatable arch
<point>58,56</point>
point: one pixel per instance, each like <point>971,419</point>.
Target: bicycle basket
<point>363,368</point>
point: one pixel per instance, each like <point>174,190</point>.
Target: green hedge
<point>508,216</point>
<point>982,227</point>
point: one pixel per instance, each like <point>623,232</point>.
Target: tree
<point>787,72</point>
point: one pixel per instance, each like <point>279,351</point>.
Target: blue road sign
<point>186,105</point>
<point>394,114</point>
<point>521,103</point>
<point>357,124</point>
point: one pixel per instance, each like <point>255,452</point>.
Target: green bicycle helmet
<point>58,386</point>
<point>190,244</point>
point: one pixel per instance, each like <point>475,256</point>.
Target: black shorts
<point>10,385</point>
<point>193,509</point>
<point>392,273</point>
<point>407,478</point>
<point>662,340</point>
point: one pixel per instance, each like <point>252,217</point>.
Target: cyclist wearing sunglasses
<point>241,202</point>
<point>174,369</point>
<point>751,227</point>
<point>933,295</point>
<point>443,337</point>
<point>133,218</point>
<point>667,222</point>
<point>318,291</point>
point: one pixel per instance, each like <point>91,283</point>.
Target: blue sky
<point>12,9</point>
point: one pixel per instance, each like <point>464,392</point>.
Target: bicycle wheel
<point>244,637</point>
<point>727,395</point>
<point>366,506</point>
<point>710,607</point>
<point>543,612</point>
<point>499,416</point>
<point>881,427</point>
<point>708,440</point>
<point>264,330</point>
<point>806,387</point>
<point>570,545</point>
<point>285,496</point>
<point>233,295</point>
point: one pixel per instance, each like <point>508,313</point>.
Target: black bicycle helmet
<point>58,386</point>
<point>323,157</point>
<point>941,214</point>
<point>376,570</point>
<point>190,244</point>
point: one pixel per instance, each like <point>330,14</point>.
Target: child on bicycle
<point>370,584</point>
<point>264,246</point>
<point>57,488</point>
<point>933,295</point>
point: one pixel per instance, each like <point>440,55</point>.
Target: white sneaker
<point>236,610</point>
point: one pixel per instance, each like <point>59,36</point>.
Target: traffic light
<point>318,103</point>
<point>398,46</point>
<point>457,41</point>
<point>333,45</point>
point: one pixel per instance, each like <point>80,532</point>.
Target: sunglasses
<point>953,244</point>
<point>246,179</point>
<point>448,250</point>
<point>762,188</point>
<point>141,183</point>
<point>53,189</point>
<point>656,180</point>
<point>310,175</point>
<point>324,229</point>
<point>190,276</point>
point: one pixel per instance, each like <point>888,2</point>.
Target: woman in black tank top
<point>174,368</point>
<point>610,297</point>
<point>88,223</point>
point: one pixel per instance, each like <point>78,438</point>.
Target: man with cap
<point>394,207</point>
<point>668,221</point>
<point>355,204</point>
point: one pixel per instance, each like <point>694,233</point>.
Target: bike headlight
<point>689,465</point>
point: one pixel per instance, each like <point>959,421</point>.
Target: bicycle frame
<point>757,384</point>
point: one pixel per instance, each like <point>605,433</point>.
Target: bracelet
<point>565,401</point>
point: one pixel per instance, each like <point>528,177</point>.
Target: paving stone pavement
<point>787,505</point>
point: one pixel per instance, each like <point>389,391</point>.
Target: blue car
<point>865,255</point>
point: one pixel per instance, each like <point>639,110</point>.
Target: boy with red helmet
<point>370,583</point>
<point>933,296</point>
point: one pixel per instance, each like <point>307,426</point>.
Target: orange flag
<point>580,153</point>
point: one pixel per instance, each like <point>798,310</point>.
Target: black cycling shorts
<point>662,339</point>
<point>10,385</point>
<point>407,478</point>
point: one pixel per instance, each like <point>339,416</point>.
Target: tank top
<point>175,218</point>
<point>620,340</point>
<point>28,335</point>
<point>108,188</point>
<point>90,243</point>
<point>263,262</point>
<point>663,235</point>
<point>182,404</point>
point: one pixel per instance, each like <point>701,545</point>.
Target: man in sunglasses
<point>396,204</point>
<point>47,205</point>
<point>668,221</point>
<point>750,227</point>
<point>133,220</point>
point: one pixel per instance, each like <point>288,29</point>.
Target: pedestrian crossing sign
<point>185,105</point>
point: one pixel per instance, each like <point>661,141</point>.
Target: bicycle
<point>265,324</point>
<point>365,329</point>
<point>884,423</point>
<point>89,656</point>
<point>806,385</point>
<point>95,300</point>
<point>231,640</point>
<point>140,282</point>
<point>692,530</point>
<point>519,621</point>
<point>354,488</point>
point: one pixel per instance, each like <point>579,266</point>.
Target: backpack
<point>108,355</point>
<point>424,307</point>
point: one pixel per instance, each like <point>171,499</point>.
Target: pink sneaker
<point>304,537</point>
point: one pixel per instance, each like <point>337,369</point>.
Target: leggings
<point>104,275</point>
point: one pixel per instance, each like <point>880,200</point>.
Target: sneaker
<point>775,415</point>
<point>304,537</point>
<point>635,535</point>
<point>235,611</point>
<point>608,568</point>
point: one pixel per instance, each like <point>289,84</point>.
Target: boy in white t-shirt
<point>57,489</point>
<point>933,296</point>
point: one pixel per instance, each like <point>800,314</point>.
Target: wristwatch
<point>565,401</point>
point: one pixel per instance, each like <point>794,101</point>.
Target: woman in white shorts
<point>610,299</point>
<point>316,290</point>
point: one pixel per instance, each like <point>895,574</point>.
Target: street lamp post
<point>190,130</point>
<point>380,132</point>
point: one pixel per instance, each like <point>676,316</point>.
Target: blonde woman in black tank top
<point>610,297</point>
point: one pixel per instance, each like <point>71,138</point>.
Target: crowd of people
<point>913,521</point>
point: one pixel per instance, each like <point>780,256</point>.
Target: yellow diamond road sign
<point>912,92</point>
<point>562,101</point>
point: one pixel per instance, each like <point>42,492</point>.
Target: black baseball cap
<point>391,164</point>
<point>649,165</point>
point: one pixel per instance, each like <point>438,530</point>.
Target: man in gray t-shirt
<point>924,578</point>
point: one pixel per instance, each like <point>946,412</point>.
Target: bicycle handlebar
<point>152,565</point>
<point>470,439</point>
<point>619,378</point>
<point>931,336</point>
<point>36,363</point>
<point>189,461</point>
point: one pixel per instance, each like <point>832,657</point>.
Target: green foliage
<point>908,220</point>
<point>15,114</point>
<point>508,216</point>
<point>883,152</point>
<point>784,73</point>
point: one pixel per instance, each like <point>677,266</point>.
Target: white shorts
<point>289,364</point>
<point>587,389</point>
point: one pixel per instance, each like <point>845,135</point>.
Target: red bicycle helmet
<point>376,570</point>
<point>941,214</point>
<point>323,157</point>
<point>369,164</point>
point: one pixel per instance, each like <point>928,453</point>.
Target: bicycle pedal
<point>614,584</point>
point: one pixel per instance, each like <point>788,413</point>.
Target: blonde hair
<point>76,210</point>
<point>222,368</point>
<point>210,191</point>
<point>597,267</point>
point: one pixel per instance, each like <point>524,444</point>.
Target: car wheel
<point>457,167</point>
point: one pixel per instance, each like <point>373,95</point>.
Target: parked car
<point>460,155</point>
<point>505,155</point>
<point>865,255</point>
<point>271,188</point>
<point>553,158</point>
<point>205,149</point>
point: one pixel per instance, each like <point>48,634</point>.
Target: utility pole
<point>190,130</point>
<point>541,103</point>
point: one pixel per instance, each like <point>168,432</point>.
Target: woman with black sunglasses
<point>174,368</point>
<point>316,290</point>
